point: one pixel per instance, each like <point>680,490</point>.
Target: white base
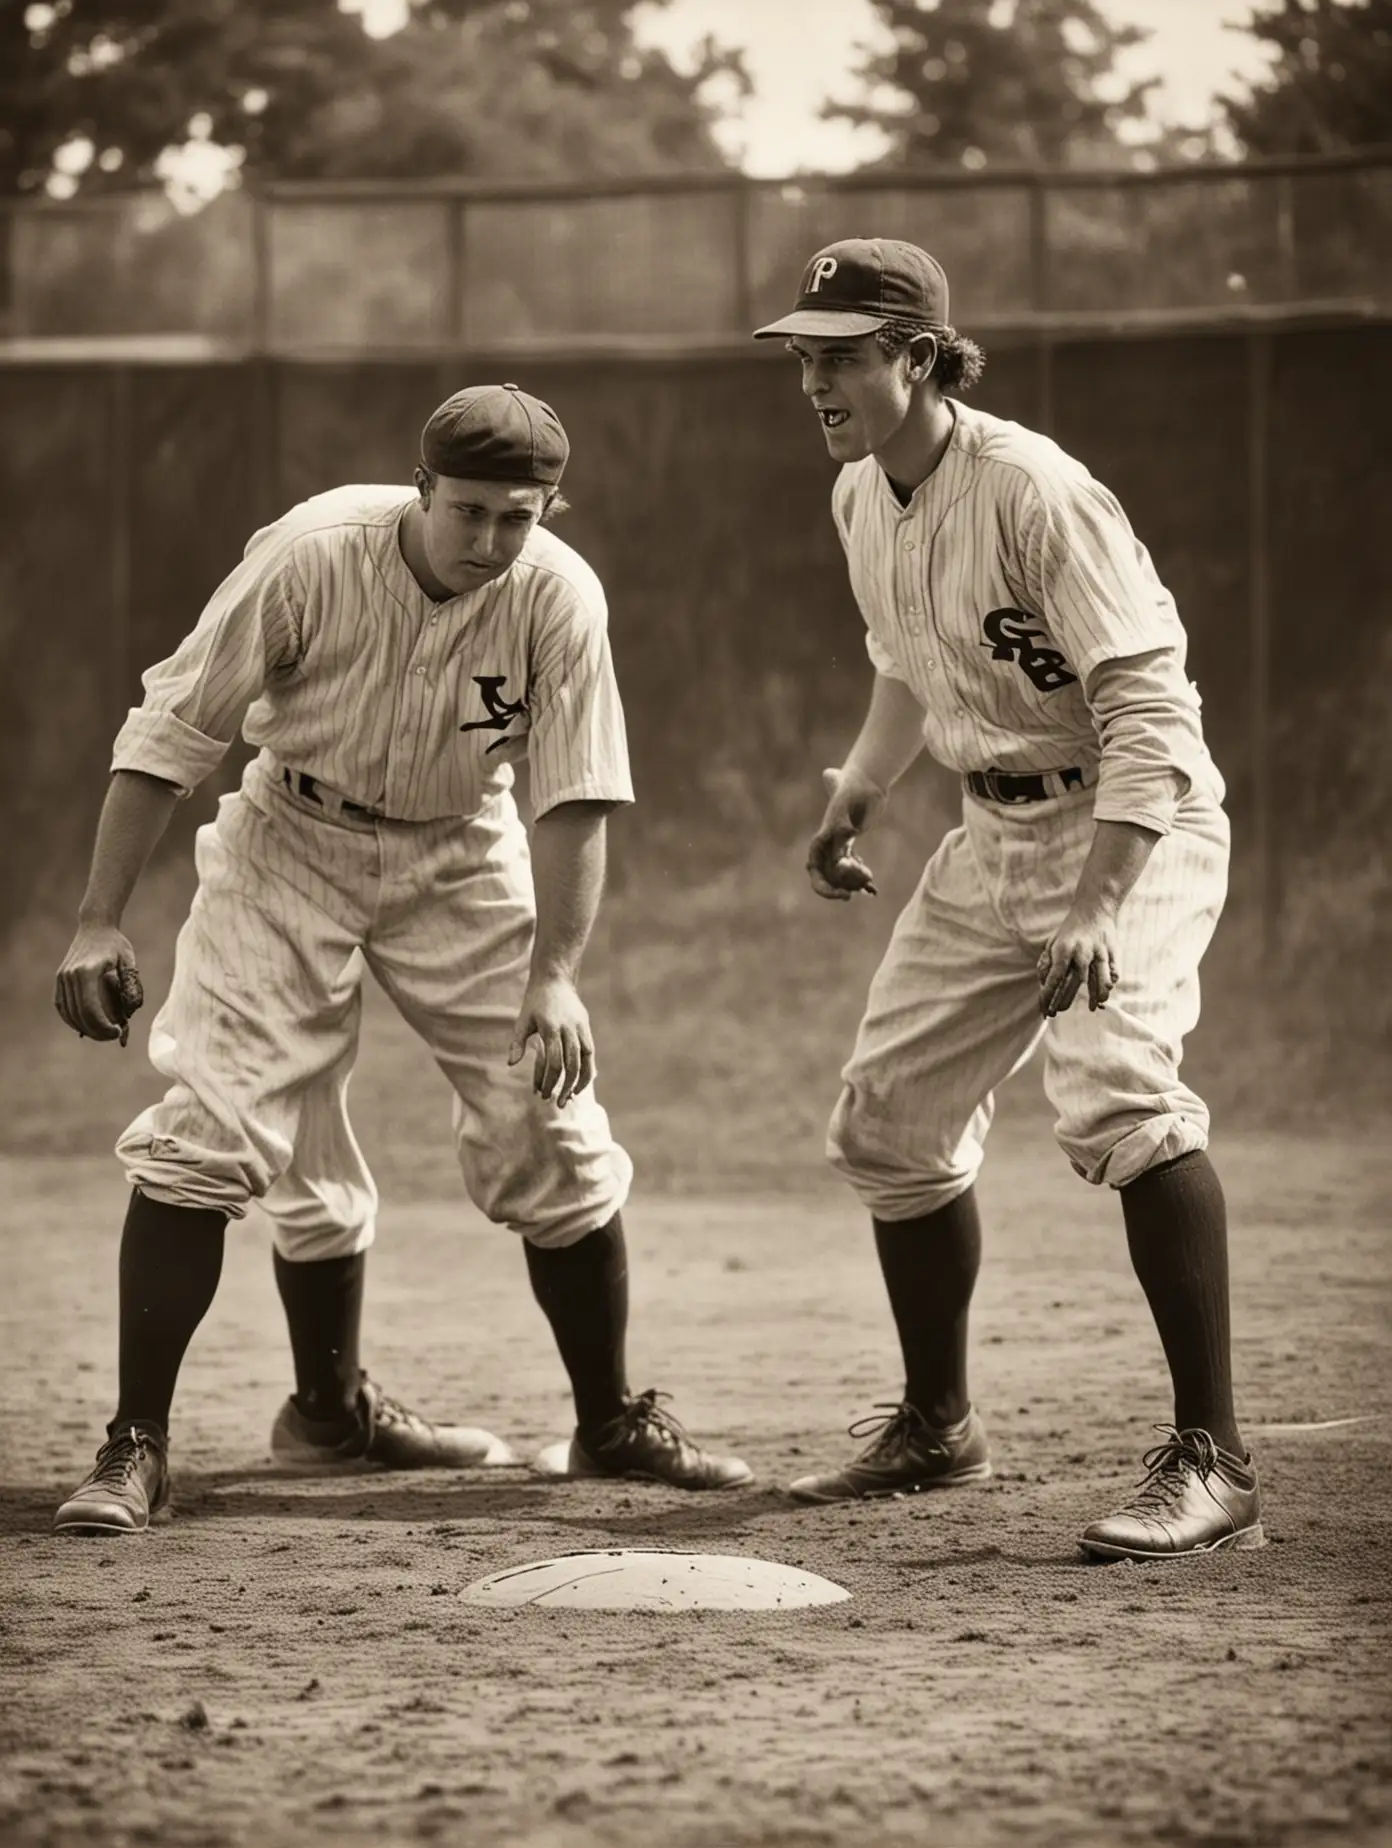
<point>623,1580</point>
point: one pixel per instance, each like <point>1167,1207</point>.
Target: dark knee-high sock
<point>1177,1231</point>
<point>583,1291</point>
<point>323,1307</point>
<point>930,1266</point>
<point>171,1259</point>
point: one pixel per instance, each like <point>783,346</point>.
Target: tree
<point>544,89</point>
<point>1330,84</point>
<point>985,82</point>
<point>484,87</point>
<point>128,76</point>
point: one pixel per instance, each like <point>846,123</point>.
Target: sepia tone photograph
<point>697,904</point>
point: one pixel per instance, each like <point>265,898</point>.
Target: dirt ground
<point>290,1662</point>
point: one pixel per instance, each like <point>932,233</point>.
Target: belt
<point>301,783</point>
<point>1032,786</point>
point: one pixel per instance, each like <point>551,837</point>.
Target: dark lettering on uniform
<point>501,712</point>
<point>1010,637</point>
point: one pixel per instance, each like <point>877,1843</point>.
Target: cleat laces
<point>645,1412</point>
<point>897,1426</point>
<point>120,1457</point>
<point>389,1411</point>
<point>381,1412</point>
<point>1167,1466</point>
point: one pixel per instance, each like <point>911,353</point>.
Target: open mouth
<point>833,419</point>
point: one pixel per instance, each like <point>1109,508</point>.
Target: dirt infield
<point>289,1662</point>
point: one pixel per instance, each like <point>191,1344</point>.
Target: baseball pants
<point>259,1033</point>
<point>954,1007</point>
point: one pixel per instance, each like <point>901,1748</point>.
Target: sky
<point>800,51</point>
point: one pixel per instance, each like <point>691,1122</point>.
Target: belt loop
<point>300,783</point>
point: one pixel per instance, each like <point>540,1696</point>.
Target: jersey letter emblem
<point>1010,638</point>
<point>501,712</point>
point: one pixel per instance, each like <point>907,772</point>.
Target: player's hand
<point>98,986</point>
<point>1082,951</point>
<point>555,1017</point>
<point>853,803</point>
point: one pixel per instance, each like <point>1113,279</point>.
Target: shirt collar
<point>928,489</point>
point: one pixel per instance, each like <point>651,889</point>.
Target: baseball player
<point>392,652</point>
<point>1017,628</point>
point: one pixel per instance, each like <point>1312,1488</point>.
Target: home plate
<point>623,1580</point>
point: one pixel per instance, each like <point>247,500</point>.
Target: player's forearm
<point>134,815</point>
<point>892,736</point>
<point>1115,861</point>
<point>568,855</point>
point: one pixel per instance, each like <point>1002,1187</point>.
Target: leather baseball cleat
<point>906,1456</point>
<point>389,1435</point>
<point>1195,1498</point>
<point>127,1489</point>
<point>648,1443</point>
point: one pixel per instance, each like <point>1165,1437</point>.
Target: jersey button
<point>421,672</point>
<point>908,545</point>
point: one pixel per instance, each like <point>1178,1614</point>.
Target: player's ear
<point>923,356</point>
<point>425,485</point>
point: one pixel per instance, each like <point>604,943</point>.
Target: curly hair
<point>959,364</point>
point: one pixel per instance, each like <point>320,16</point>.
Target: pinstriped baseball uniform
<point>324,651</point>
<point>1011,596</point>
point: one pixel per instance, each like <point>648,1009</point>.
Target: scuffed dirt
<point>290,1661</point>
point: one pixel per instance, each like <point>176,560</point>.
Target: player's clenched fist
<point>98,988</point>
<point>554,1015</point>
<point>853,803</point>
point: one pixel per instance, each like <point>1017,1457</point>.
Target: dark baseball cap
<point>496,433</point>
<point>857,285</point>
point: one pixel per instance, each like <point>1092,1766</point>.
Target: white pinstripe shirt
<point>1012,597</point>
<point>325,652</point>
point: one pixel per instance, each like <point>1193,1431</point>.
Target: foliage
<point>1330,84</point>
<point>977,83</point>
<point>484,87</point>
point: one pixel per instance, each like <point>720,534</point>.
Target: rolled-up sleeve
<point>196,699</point>
<point>578,746</point>
<point>1146,711</point>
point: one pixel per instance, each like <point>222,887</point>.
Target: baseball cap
<point>495,433</point>
<point>857,285</point>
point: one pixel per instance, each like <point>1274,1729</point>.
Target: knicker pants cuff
<point>1160,1139</point>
